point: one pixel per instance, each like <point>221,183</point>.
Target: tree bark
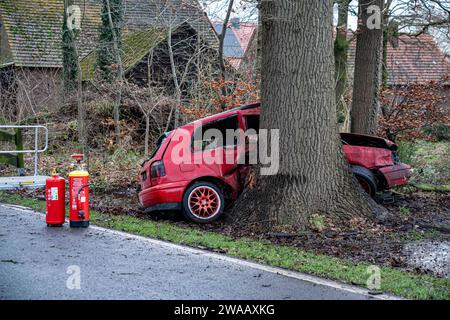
<point>298,98</point>
<point>368,72</point>
<point>341,56</point>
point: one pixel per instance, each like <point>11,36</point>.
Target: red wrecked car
<point>202,189</point>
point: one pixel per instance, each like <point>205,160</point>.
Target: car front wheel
<point>203,202</point>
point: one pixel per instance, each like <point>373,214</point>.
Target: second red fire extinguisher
<point>79,195</point>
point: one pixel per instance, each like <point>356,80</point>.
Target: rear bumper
<point>396,175</point>
<point>162,197</point>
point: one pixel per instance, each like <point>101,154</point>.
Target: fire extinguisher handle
<point>82,187</point>
<point>81,213</point>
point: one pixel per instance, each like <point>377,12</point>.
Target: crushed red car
<point>201,190</point>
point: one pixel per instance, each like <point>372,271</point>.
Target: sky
<point>246,11</point>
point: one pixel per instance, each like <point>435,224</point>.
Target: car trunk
<point>369,151</point>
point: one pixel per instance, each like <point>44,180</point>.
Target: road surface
<point>37,262</point>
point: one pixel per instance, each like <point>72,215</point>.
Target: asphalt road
<point>37,262</point>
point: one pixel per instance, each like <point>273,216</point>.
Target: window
<point>214,134</point>
<point>159,143</point>
<point>252,122</point>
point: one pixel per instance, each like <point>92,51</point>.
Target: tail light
<point>157,170</point>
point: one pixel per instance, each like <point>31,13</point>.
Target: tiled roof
<point>135,46</point>
<point>231,47</point>
<point>33,27</point>
<point>244,33</point>
<point>412,59</point>
<point>237,40</point>
<point>417,59</point>
<point>169,13</point>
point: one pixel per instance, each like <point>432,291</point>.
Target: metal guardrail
<point>36,149</point>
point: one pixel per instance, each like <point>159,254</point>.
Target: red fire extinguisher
<point>79,194</point>
<point>55,192</point>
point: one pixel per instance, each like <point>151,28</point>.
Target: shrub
<point>407,111</point>
<point>438,131</point>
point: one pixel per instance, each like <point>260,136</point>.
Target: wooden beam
<point>19,147</point>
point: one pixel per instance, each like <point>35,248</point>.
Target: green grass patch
<point>393,281</point>
<point>416,235</point>
<point>431,162</point>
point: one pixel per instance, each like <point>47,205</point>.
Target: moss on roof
<point>34,30</point>
<point>135,46</point>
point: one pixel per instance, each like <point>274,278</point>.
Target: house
<point>31,56</point>
<point>411,59</point>
<point>146,58</point>
<point>31,36</point>
<point>237,41</point>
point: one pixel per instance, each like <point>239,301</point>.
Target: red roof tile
<point>412,59</point>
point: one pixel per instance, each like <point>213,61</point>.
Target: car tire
<point>366,179</point>
<point>203,202</point>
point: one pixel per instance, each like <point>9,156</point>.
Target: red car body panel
<point>396,175</point>
<point>368,157</point>
<point>166,192</point>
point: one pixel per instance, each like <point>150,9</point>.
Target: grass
<point>393,281</point>
<point>431,162</point>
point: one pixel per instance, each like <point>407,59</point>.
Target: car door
<point>218,145</point>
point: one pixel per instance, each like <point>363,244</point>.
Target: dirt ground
<point>417,217</point>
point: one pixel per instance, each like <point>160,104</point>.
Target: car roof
<point>224,114</point>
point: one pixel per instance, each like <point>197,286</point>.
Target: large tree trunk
<point>368,71</point>
<point>341,56</point>
<point>298,98</point>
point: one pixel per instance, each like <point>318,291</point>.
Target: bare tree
<point>109,59</point>
<point>188,56</point>
<point>222,43</point>
<point>147,99</point>
<point>73,74</point>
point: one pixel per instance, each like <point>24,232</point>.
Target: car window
<point>213,134</point>
<point>252,122</point>
<point>159,143</point>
